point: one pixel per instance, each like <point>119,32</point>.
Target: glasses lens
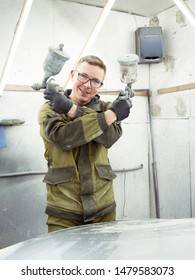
<point>83,78</point>
<point>95,83</point>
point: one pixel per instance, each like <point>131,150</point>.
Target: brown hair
<point>93,60</point>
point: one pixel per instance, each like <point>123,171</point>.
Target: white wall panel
<point>132,187</point>
<point>192,163</point>
<point>192,102</point>
<point>171,139</point>
<point>171,106</point>
<point>9,15</point>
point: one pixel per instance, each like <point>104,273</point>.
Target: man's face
<point>83,92</point>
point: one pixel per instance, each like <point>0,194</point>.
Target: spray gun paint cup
<point>128,68</point>
<point>52,64</point>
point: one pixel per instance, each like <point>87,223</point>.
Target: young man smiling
<point>78,129</point>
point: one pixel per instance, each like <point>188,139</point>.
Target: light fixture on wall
<point>186,11</point>
<point>128,72</point>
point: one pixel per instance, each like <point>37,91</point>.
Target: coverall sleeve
<point>110,135</point>
<point>66,133</point>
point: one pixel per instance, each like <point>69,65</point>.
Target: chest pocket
<point>105,171</point>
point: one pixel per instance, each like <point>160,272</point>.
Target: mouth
<point>84,92</point>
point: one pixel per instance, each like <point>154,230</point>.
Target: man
<point>77,129</point>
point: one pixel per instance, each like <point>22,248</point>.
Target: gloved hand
<point>121,106</point>
<point>58,102</point>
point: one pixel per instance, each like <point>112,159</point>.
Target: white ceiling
<point>145,8</point>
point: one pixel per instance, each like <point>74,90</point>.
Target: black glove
<point>121,106</point>
<point>58,102</point>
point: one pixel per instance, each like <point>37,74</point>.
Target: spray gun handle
<point>129,90</point>
<point>127,93</point>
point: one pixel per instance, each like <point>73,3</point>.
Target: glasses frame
<point>91,80</point>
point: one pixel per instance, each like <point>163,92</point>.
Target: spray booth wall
<point>23,198</point>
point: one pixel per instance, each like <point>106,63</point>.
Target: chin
<point>84,100</point>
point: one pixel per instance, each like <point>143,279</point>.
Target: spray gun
<point>52,66</point>
<point>128,74</point>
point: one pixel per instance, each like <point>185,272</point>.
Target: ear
<point>101,85</point>
<point>72,73</point>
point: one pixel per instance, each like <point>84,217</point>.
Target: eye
<point>95,82</point>
<point>83,76</point>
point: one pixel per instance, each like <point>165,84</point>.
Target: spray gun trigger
<point>51,86</point>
